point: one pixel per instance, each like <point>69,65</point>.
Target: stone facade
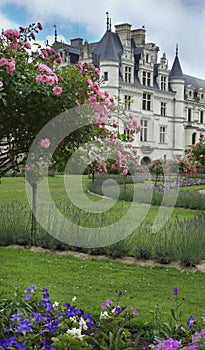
<point>169,103</point>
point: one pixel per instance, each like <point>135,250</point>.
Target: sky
<point>167,23</point>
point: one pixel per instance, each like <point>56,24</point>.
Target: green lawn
<point>93,281</point>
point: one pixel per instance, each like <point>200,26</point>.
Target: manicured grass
<point>13,189</point>
<point>93,281</point>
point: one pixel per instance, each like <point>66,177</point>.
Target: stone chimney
<point>124,32</point>
<point>138,35</point>
<point>76,42</point>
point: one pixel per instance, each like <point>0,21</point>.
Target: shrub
<point>143,251</point>
<point>117,250</point>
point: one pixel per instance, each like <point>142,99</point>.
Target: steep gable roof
<point>109,47</point>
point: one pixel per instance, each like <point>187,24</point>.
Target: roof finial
<point>110,28</point>
<point>107,13</point>
<point>177,49</point>
<point>55,33</point>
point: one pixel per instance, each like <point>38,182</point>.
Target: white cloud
<point>167,22</point>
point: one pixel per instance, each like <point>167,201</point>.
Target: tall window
<point>163,83</point>
<point>128,74</point>
<point>146,78</point>
<point>162,134</point>
<point>163,108</point>
<point>105,76</point>
<point>193,138</point>
<point>143,133</point>
<point>146,102</point>
<point>127,102</point>
<point>189,115</point>
<point>202,117</point>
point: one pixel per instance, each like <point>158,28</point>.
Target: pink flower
<point>11,66</point>
<point>80,66</point>
<point>114,136</point>
<point>39,25</point>
<point>44,68</point>
<point>11,33</point>
<point>3,62</point>
<point>124,172</point>
<point>28,45</point>
<point>57,90</point>
<point>1,84</point>
<point>27,167</point>
<point>14,44</point>
<point>45,53</point>
<point>41,78</point>
<point>59,59</point>
<point>33,36</point>
<point>45,143</point>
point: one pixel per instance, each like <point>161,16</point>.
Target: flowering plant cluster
<point>32,323</point>
<point>196,154</point>
<point>37,325</point>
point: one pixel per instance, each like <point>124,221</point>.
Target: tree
<point>33,91</point>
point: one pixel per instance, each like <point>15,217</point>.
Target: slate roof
<point>108,48</point>
<point>176,71</point>
<point>195,82</point>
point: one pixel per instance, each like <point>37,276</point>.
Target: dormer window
<point>163,83</point>
<point>190,94</point>
<point>202,96</point>
<point>128,74</point>
<point>146,78</point>
<point>147,58</point>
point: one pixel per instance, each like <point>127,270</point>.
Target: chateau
<point>169,104</point>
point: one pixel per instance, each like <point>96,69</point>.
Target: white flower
<point>55,305</point>
<point>104,315</point>
<point>74,299</point>
<point>76,332</point>
<point>83,324</point>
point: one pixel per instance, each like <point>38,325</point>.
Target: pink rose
<point>57,90</point>
<point>11,33</point>
<point>14,44</point>
<point>11,66</point>
<point>3,62</point>
<point>44,68</point>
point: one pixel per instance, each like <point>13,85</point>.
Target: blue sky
<point>167,23</point>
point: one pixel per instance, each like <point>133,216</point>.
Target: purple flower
<point>106,304</point>
<point>120,292</point>
<point>168,344</point>
<point>27,297</point>
<point>16,317</point>
<point>203,317</point>
<point>175,291</point>
<point>47,304</point>
<point>190,322</point>
<point>47,346</point>
<point>30,289</point>
<point>117,309</point>
<point>11,342</point>
<point>24,326</point>
<point>45,293</point>
<point>89,320</point>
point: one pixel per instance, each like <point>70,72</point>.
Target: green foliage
<point>143,251</point>
<point>117,250</point>
<point>68,342</point>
